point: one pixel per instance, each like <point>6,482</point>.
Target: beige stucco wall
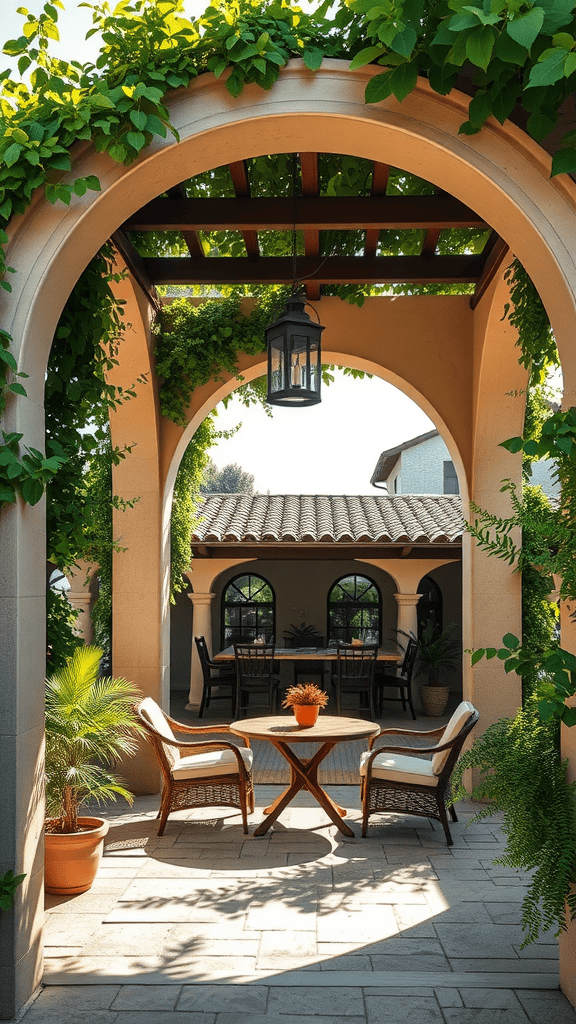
<point>500,173</point>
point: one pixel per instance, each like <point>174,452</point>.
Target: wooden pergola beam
<point>310,189</point>
<point>348,213</point>
<point>333,270</point>
<point>380,175</point>
<point>497,251</point>
<point>241,183</point>
<point>136,266</point>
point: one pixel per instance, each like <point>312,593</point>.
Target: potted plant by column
<point>438,653</point>
<point>305,699</point>
<point>90,723</point>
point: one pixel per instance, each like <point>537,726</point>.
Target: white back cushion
<point>459,718</point>
<point>157,719</point>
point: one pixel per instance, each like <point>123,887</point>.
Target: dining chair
<point>208,772</point>
<point>256,679</point>
<point>215,677</point>
<point>304,670</point>
<point>393,780</point>
<point>355,674</point>
<point>401,680</point>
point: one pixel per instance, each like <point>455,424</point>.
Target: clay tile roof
<point>313,518</point>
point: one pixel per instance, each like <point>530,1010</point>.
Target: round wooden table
<point>283,731</point>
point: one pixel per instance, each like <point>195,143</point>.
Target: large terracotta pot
<point>306,714</point>
<point>71,861</point>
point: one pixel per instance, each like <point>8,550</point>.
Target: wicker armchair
<point>394,781</point>
<point>205,773</point>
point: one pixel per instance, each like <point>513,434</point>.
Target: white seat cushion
<point>215,762</point>
<point>459,718</point>
<point>399,768</point>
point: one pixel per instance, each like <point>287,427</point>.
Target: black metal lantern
<point>294,357</point>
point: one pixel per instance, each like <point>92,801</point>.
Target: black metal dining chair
<point>400,680</point>
<point>256,680</point>
<point>355,674</point>
<point>215,677</point>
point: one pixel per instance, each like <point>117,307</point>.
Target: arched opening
<point>501,174</point>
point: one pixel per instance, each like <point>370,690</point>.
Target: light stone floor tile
<point>448,997</point>
<point>280,916</point>
<point>402,1010</point>
<point>468,1015</point>
<point>503,999</point>
<point>346,962</point>
<point>84,903</point>
<point>71,929</point>
<point>546,1007</point>
<point>281,1018</point>
<point>344,1002</point>
<point>127,940</point>
<point>51,951</point>
<point>224,999</point>
<point>150,998</point>
<point>420,962</point>
<point>368,925</point>
<point>459,940</point>
<point>38,1015</point>
<point>79,997</point>
<point>499,965</point>
<point>165,1017</point>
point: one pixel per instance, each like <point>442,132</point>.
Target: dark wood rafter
<point>241,183</point>
<point>495,253</point>
<point>136,266</point>
<point>310,189</point>
<point>332,270</point>
<point>380,175</point>
<point>190,237</point>
<point>340,213</point>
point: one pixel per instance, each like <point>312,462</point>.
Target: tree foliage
<point>231,479</point>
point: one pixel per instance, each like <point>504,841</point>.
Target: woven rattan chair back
<point>234,789</point>
<point>402,681</point>
<point>418,798</point>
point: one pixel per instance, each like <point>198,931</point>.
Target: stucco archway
<point>501,173</point>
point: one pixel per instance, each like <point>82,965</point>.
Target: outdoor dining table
<point>283,731</point>
<point>312,654</point>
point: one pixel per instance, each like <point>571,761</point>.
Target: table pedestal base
<point>304,775</point>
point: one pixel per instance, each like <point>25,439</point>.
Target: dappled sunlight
<point>205,903</point>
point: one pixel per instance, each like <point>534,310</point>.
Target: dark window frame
<point>247,633</point>
<point>449,478</point>
<point>349,630</point>
<point>423,609</point>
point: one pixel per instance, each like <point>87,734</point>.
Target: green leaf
<point>507,50</point>
<point>366,56</point>
<point>477,656</point>
<point>8,358</point>
<point>12,154</point>
<point>403,80</point>
<point>312,58</point>
<point>379,88</point>
<point>404,42</point>
<point>17,389</point>
<point>511,642</point>
<point>480,109</point>
<point>136,139</point>
<point>557,13</point>
<point>539,126</point>
<point>155,126</point>
<point>569,716</point>
<point>479,46</point>
<point>7,493</point>
<point>138,118</point>
<point>525,28</point>
<point>514,444</point>
<point>32,491</point>
<point>548,71</point>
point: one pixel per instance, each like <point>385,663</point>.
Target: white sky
<point>327,449</point>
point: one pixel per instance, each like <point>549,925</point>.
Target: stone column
<point>201,626</point>
<point>407,617</point>
<point>80,598</point>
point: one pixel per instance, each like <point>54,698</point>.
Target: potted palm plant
<point>438,653</point>
<point>303,636</point>
<point>90,723</point>
<point>305,699</point>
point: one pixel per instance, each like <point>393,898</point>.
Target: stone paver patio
<point>208,926</point>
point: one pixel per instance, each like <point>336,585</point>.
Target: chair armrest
<point>203,747</point>
<point>405,732</point>
<point>416,750</point>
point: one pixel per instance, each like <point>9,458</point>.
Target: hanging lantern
<point>294,357</point>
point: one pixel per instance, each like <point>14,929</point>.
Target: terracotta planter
<point>71,861</point>
<point>306,714</point>
<point>434,699</point>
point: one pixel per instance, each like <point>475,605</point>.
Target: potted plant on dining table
<point>305,699</point>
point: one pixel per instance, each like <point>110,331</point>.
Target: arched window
<point>429,607</point>
<point>354,609</point>
<point>248,610</point>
